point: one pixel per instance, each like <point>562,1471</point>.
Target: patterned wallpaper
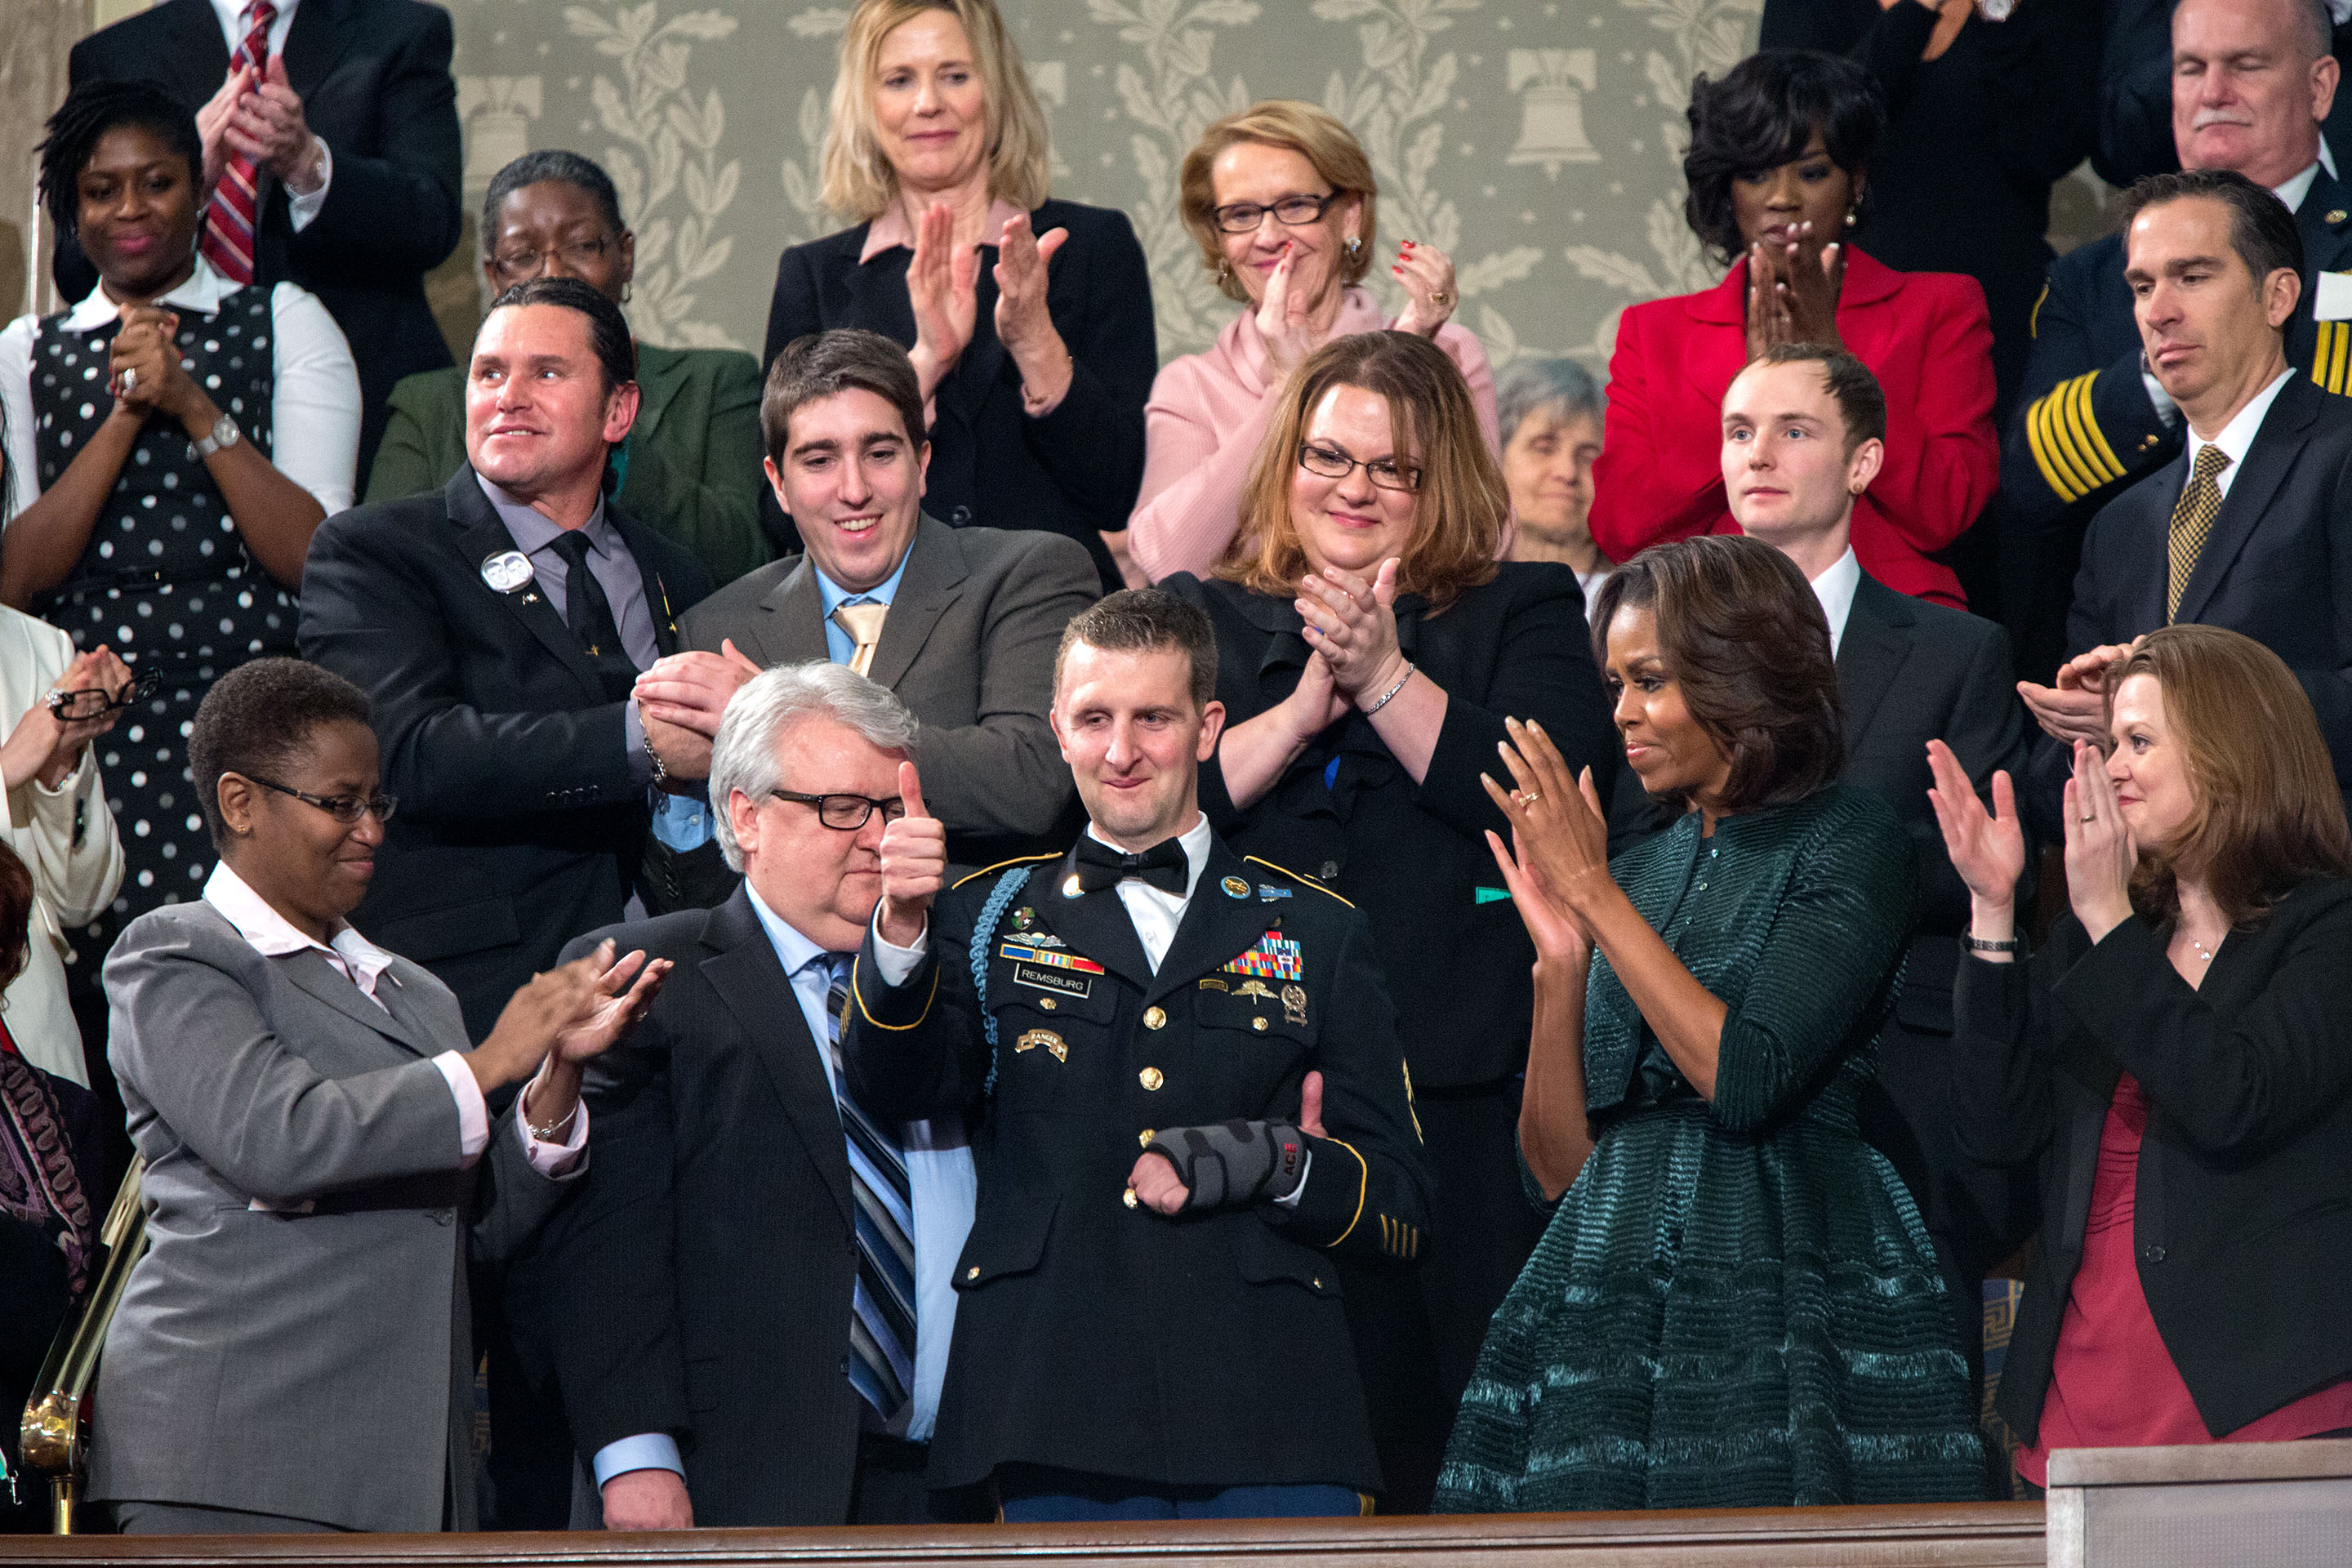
<point>1538,141</point>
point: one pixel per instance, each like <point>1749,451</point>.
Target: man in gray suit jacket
<point>961,624</point>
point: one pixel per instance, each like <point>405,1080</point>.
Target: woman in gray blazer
<point>293,1352</point>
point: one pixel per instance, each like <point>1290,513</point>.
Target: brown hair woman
<point>1369,647</point>
<point>2172,1063</point>
<point>1736,1304</point>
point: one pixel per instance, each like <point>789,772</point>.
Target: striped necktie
<point>882,1327</point>
<point>229,215</point>
<point>2192,524</point>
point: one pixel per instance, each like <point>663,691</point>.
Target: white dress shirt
<point>314,400</point>
<point>941,1184</point>
<point>364,963</point>
<point>301,207</point>
<point>2239,434</point>
<point>1836,589</point>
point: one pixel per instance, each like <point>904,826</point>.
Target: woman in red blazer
<point>1776,166</point>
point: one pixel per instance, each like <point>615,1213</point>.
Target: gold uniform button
<point>1146,1136</point>
<point>973,1273</point>
<point>1046,1002</point>
<point>1128,1197</point>
<point>1259,1023</point>
<point>1318,1281</point>
<point>1155,1018</point>
<point>1150,1077</point>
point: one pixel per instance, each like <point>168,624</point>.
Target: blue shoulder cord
<point>983,933</point>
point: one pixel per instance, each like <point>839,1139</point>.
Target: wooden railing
<point>1944,1535</point>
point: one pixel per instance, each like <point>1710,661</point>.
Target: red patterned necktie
<point>229,216</point>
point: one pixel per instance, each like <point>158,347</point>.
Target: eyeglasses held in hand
<point>578,256</point>
<point>1334,465</point>
<point>88,702</point>
<point>847,812</point>
<point>1291,212</point>
<point>346,809</point>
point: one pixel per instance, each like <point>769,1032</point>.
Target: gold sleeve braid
<point>2068,447</point>
<point>2331,361</point>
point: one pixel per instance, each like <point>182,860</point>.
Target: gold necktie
<point>2193,523</point>
<point>863,625</point>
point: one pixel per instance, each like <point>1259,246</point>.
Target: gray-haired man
<point>763,1305</point>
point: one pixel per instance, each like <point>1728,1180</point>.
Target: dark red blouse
<point>2111,1381</point>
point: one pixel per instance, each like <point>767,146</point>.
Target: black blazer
<point>522,819</point>
<point>1412,855</point>
<point>1076,470</point>
<point>699,1282</point>
<point>2277,567</point>
<point>2243,1211</point>
<point>375,85</point>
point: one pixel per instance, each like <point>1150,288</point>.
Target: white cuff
<point>556,1162</point>
<point>897,962</point>
<point>473,1111</point>
<point>646,1451</point>
<point>301,209</point>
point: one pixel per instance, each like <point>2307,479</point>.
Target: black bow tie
<point>1163,866</point>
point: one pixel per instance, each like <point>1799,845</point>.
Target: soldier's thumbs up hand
<point>1310,1106</point>
<point>914,864</point>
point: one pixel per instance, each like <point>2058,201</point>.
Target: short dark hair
<point>1860,401</point>
<point>1740,630</point>
<point>608,330</point>
<point>259,715</point>
<point>823,364</point>
<point>1139,620</point>
<point>89,112</point>
<point>551,163</point>
<point>16,916</point>
<point>2262,229</point>
<point>1760,115</point>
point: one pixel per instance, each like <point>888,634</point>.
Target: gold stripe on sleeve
<point>2093,437</point>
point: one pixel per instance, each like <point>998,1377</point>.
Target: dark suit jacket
<point>1412,855</point>
<point>2084,428</point>
<point>1909,672</point>
<point>2277,566</point>
<point>1075,471</point>
<point>699,1281</point>
<point>521,817</point>
<point>968,646</point>
<point>2242,1216</point>
<point>375,80</point>
<point>693,469</point>
<point>2135,93</point>
<point>1094,1337</point>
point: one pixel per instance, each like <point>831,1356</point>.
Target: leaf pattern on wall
<point>1538,141</point>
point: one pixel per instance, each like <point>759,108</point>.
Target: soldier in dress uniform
<point>1184,1076</point>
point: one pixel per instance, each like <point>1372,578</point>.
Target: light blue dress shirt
<point>942,1183</point>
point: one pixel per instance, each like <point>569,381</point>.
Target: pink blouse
<point>1207,415</point>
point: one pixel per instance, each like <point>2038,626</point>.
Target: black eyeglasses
<point>346,809</point>
<point>1291,212</point>
<point>845,812</point>
<point>578,256</point>
<point>94,702</point>
<point>1333,465</point>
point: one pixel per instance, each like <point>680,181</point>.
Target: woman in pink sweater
<point>1280,197</point>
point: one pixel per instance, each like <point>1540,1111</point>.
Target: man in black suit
<point>350,125</point>
<point>960,623</point>
<point>751,1303</point>
<point>2252,84</point>
<point>1152,1034</point>
<point>499,625</point>
<point>2250,528</point>
<point>1803,432</point>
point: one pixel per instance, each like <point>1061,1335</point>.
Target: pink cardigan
<point>1208,413</point>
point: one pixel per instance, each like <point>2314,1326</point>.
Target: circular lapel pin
<point>506,571</point>
<point>1235,887</point>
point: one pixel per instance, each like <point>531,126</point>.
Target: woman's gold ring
<point>2090,816</point>
<point>1440,298</point>
<point>1528,797</point>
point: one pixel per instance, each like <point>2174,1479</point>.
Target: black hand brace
<point>1231,1164</point>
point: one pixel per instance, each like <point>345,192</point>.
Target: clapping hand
<point>265,124</point>
<point>1022,324</point>
<point>2075,708</point>
<point>616,1006</point>
<point>44,748</point>
<point>550,1006</point>
<point>1790,301</point>
<point>212,123</point>
<point>1282,318</point>
<point>681,700</point>
<point>1351,622</point>
<point>943,287</point>
<point>143,367</point>
<point>1427,275</point>
<point>914,864</point>
<point>2100,853</point>
<point>1987,849</point>
<point>1558,832</point>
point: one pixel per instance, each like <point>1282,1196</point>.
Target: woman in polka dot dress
<point>172,442</point>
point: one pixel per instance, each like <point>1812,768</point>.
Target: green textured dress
<point>1736,1304</point>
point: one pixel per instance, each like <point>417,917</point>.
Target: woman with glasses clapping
<point>293,1352</point>
<point>1369,646</point>
<point>1281,200</point>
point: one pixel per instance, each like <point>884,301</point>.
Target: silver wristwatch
<point>224,434</point>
